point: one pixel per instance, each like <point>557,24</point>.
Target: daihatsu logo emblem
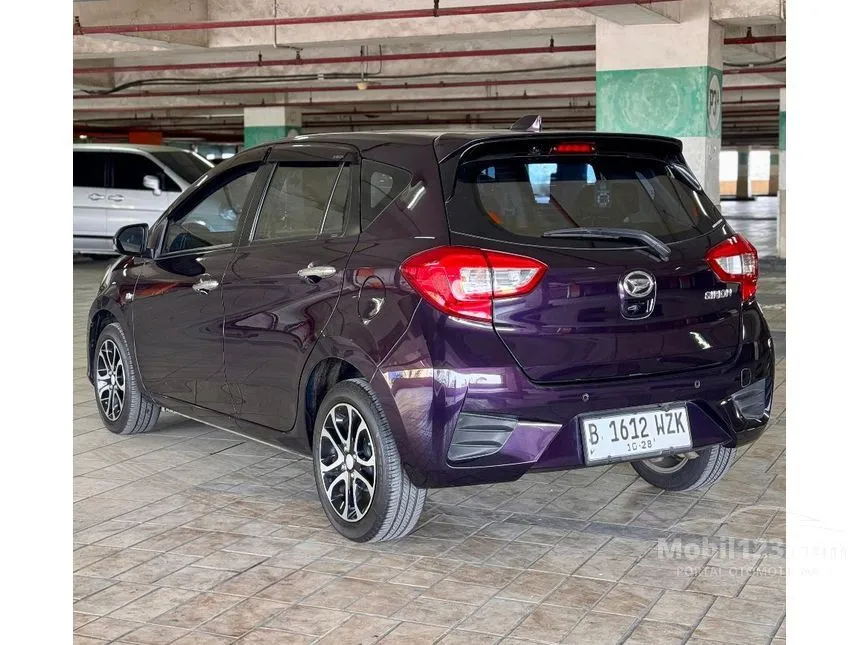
<point>638,284</point>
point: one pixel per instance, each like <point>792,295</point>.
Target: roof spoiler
<point>528,123</point>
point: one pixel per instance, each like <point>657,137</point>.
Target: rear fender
<point>344,349</point>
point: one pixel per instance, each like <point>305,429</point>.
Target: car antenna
<point>528,123</point>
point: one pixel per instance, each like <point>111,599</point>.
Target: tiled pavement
<point>190,535</point>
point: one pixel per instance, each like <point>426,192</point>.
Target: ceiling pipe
<point>765,138</point>
<point>440,85</point>
<point>588,124</point>
<point>210,107</point>
<point>404,111</point>
<point>404,14</point>
<point>331,60</point>
<point>521,109</point>
<point>368,58</point>
<point>761,86</point>
<point>753,70</point>
<point>239,106</point>
<point>468,120</point>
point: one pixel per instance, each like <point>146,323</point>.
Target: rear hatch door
<point>624,231</point>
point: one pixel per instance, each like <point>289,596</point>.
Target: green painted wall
<point>674,101</point>
<point>782,130</point>
<point>256,135</point>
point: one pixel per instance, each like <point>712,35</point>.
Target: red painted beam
<point>402,14</point>
<point>368,58</point>
<point>754,40</point>
<point>332,60</point>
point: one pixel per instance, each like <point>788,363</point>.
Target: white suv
<point>120,184</point>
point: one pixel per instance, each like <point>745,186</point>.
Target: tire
<point>690,474</point>
<point>123,407</point>
<point>392,508</point>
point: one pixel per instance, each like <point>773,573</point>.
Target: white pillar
<point>264,124</point>
<point>773,179</point>
<point>666,79</point>
<point>781,240</point>
<point>742,186</point>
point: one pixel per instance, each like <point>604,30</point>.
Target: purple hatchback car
<point>418,310</point>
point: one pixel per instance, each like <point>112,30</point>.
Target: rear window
<point>525,198</point>
<point>185,164</point>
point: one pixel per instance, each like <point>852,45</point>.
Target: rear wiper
<point>602,233</point>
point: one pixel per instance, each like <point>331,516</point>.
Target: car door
<point>284,282</point>
<point>178,311</point>
<point>89,216</point>
<point>128,200</point>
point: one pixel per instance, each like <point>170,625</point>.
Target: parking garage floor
<point>191,535</point>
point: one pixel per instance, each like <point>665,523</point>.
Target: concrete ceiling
<point>477,62</point>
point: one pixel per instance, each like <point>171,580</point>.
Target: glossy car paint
<point>276,335</point>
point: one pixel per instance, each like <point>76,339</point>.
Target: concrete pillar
<point>264,124</point>
<point>742,186</point>
<point>780,242</point>
<point>666,79</point>
<point>773,178</point>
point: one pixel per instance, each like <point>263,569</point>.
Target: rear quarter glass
<point>518,198</point>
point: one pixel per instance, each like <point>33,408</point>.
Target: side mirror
<point>131,240</point>
<point>152,183</point>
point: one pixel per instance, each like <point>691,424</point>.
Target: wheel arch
<point>335,359</point>
<point>324,375</point>
<point>98,321</point>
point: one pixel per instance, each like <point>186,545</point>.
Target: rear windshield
<point>525,198</point>
<point>185,164</point>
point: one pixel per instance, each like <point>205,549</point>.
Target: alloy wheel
<point>347,462</point>
<point>110,380</point>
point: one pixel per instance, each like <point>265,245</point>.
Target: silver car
<point>120,184</point>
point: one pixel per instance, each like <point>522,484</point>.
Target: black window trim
<point>340,168</point>
<point>184,206</point>
<point>282,159</point>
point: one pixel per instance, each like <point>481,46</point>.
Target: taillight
<point>736,260</point>
<point>462,281</point>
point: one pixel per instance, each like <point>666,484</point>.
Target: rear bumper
<point>459,425</point>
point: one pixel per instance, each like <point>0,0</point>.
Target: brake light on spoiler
<point>573,148</point>
<point>463,281</point>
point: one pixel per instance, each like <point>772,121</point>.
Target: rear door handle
<point>96,196</point>
<point>116,198</point>
<point>314,274</point>
<point>203,286</point>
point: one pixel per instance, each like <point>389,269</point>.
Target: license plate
<point>628,435</point>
